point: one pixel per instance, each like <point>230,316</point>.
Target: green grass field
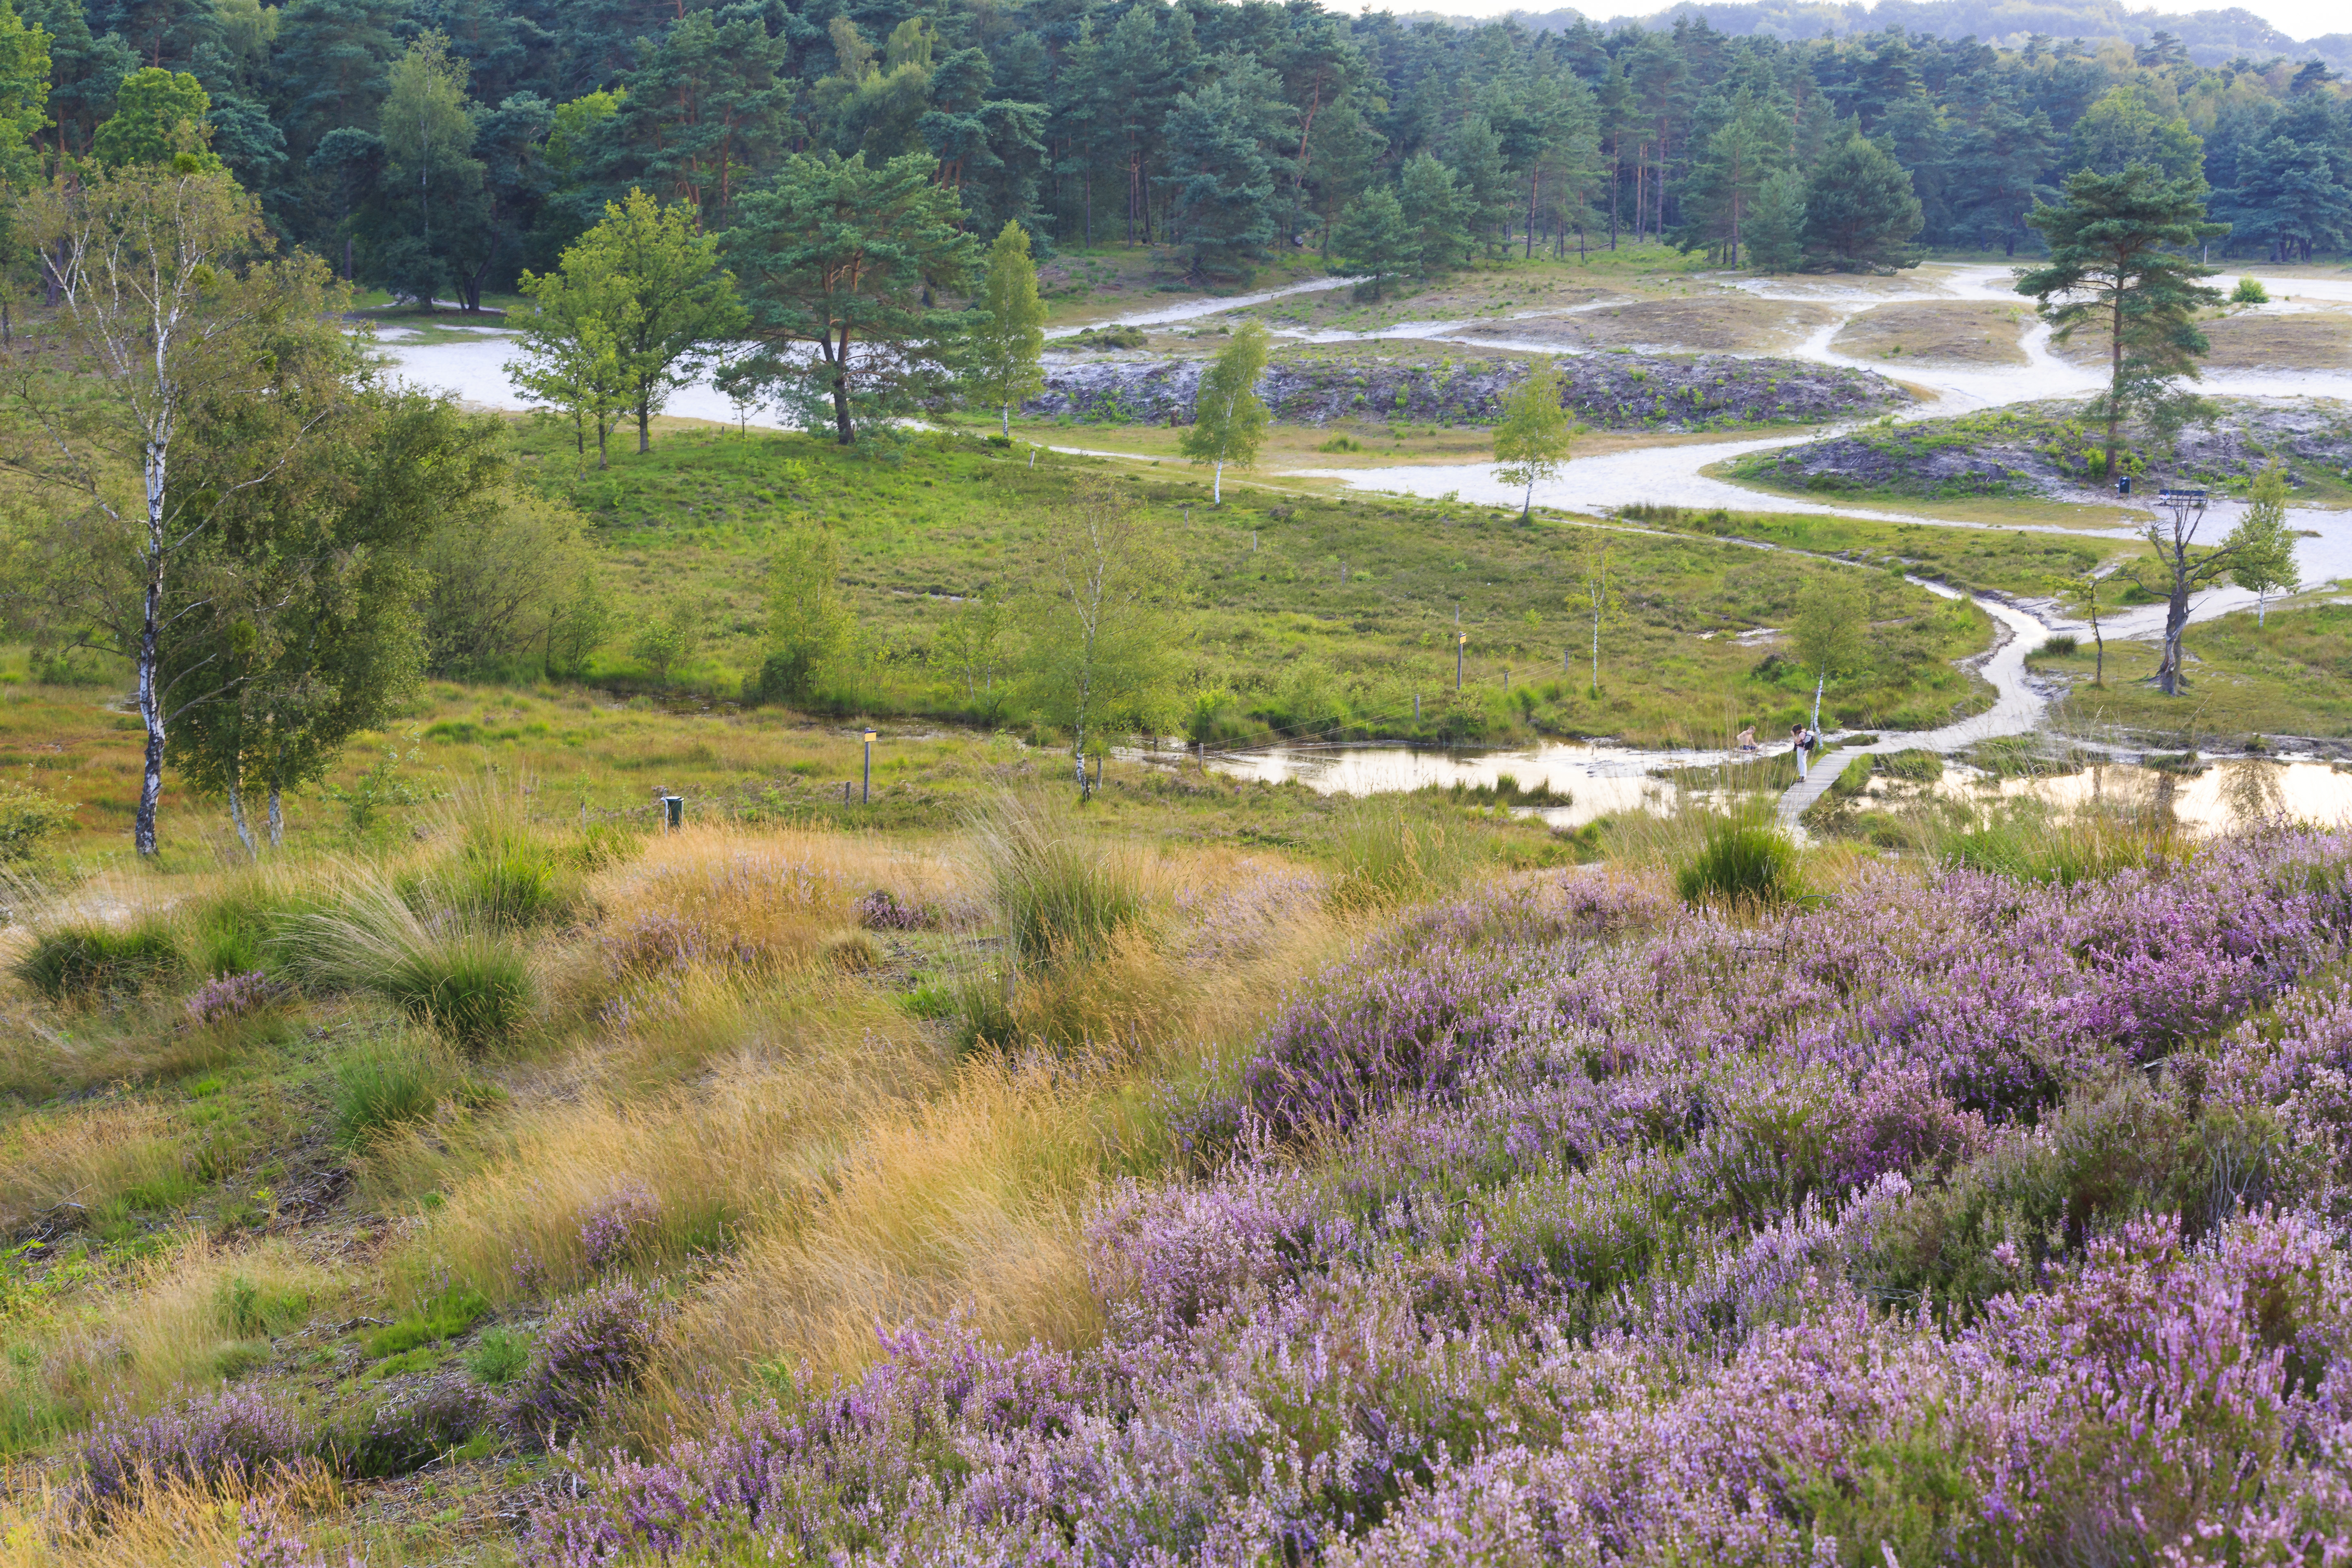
<point>1318,614</point>
<point>2291,677</point>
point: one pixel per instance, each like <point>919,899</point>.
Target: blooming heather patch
<point>231,1436</point>
<point>1959,1219</point>
<point>616,1221</point>
<point>597,1346</point>
<point>232,997</point>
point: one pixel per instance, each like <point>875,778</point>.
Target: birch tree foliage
<point>168,297</point>
<point>1103,622</point>
<point>1229,420</point>
<point>1009,337</point>
<point>2263,544</point>
<point>1531,443</point>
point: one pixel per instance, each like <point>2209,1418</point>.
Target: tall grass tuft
<point>1741,860</point>
<point>385,1083</point>
<point>2034,843</point>
<point>1386,858</point>
<point>1062,897</point>
<point>506,871</point>
<point>70,963</point>
<point>475,987</point>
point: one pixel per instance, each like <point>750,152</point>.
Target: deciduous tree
<point>1531,443</point>
<point>1228,418</point>
<point>1831,620</point>
<point>569,351</point>
<point>2264,544</point>
<point>653,281</point>
<point>1103,620</point>
<point>1011,335</point>
<point>168,298</point>
<point>808,623</point>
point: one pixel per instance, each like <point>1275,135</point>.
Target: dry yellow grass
<point>972,1202</point>
<point>756,1135</point>
<point>161,1331</point>
<point>975,1202</point>
<point>1708,324</point>
<point>2253,340</point>
<point>169,1524</point>
<point>80,1159</point>
<point>756,899</point>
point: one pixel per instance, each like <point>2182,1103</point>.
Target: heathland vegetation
<point>702,999</point>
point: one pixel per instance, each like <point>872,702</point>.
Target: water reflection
<point>1608,781</point>
<point>2225,794</point>
<point>1598,780</point>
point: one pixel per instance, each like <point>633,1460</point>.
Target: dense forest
<point>2211,38</point>
<point>437,147</point>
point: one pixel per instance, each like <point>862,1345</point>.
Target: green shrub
<point>509,880</point>
<point>602,843</point>
<point>1741,861</point>
<point>2250,291</point>
<point>443,1317</point>
<point>2038,846</point>
<point>28,815</point>
<point>498,1357</point>
<point>255,1312</point>
<point>475,989</point>
<point>80,961</point>
<point>1059,895</point>
<point>383,1083</point>
<point>2058,647</point>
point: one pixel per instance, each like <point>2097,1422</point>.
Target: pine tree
<point>1228,419</point>
<point>704,113</point>
<point>1740,155</point>
<point>1221,176</point>
<point>1486,188</point>
<point>332,61</point>
<point>838,256</point>
<point>1009,340</point>
<point>1860,210</point>
<point>2116,266</point>
<point>1371,237</point>
<point>1775,229</point>
<point>1432,216</point>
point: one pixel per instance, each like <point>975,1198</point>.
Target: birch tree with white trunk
<point>167,295</point>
